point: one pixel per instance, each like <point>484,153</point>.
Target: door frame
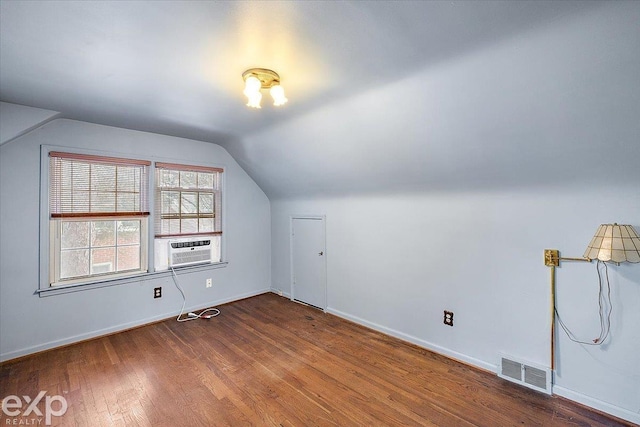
<point>322,218</point>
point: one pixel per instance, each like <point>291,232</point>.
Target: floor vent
<point>525,373</point>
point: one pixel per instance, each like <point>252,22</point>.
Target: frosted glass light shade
<point>252,85</point>
<point>613,242</point>
<point>277,93</point>
<point>254,99</point>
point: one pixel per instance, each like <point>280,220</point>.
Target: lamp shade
<point>613,242</point>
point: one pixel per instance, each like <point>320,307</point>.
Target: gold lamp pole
<point>552,259</point>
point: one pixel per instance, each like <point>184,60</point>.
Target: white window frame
<point>63,209</point>
<point>55,249</point>
<point>215,192</point>
<point>161,241</point>
<point>45,289</point>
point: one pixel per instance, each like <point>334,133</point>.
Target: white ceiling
<point>368,82</point>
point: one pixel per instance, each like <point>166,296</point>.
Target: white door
<point>308,261</point>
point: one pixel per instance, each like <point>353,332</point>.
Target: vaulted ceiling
<point>384,96</point>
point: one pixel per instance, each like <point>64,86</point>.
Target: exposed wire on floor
<point>212,312</point>
<point>604,303</point>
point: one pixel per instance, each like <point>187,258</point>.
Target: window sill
<point>65,289</point>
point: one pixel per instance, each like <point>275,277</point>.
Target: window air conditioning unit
<point>189,252</point>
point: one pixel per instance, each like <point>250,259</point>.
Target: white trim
<point>281,293</point>
<point>417,341</point>
<point>118,328</point>
<point>598,404</point>
<point>308,216</point>
<point>110,281</point>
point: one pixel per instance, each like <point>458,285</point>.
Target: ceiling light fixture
<point>256,79</point>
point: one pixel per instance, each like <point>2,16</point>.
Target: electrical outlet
<point>448,318</point>
<point>209,282</point>
<point>157,292</point>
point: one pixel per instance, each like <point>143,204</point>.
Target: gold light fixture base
<point>551,257</point>
<point>268,78</point>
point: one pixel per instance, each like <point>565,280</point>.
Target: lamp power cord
<point>605,308</point>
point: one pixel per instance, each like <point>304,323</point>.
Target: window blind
<point>188,200</point>
<point>91,186</point>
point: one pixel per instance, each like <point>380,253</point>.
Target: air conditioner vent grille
<point>189,252</point>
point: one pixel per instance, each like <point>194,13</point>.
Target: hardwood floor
<point>268,361</point>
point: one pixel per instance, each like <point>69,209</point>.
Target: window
<point>99,211</point>
<point>188,203</point>
<point>188,200</point>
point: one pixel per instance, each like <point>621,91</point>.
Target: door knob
<point>321,253</point>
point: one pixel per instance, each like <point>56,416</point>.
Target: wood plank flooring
<point>267,361</point>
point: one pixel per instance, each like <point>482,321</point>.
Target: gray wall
<point>395,262</point>
<point>443,188</point>
<point>29,323</point>
<point>16,120</point>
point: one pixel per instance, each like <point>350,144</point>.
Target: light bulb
<point>252,85</point>
<point>254,99</point>
<point>277,93</point>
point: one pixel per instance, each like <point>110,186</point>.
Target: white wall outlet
<point>209,283</point>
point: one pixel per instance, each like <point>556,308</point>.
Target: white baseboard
<point>598,404</point>
<point>281,293</point>
<point>417,341</point>
<point>121,327</point>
